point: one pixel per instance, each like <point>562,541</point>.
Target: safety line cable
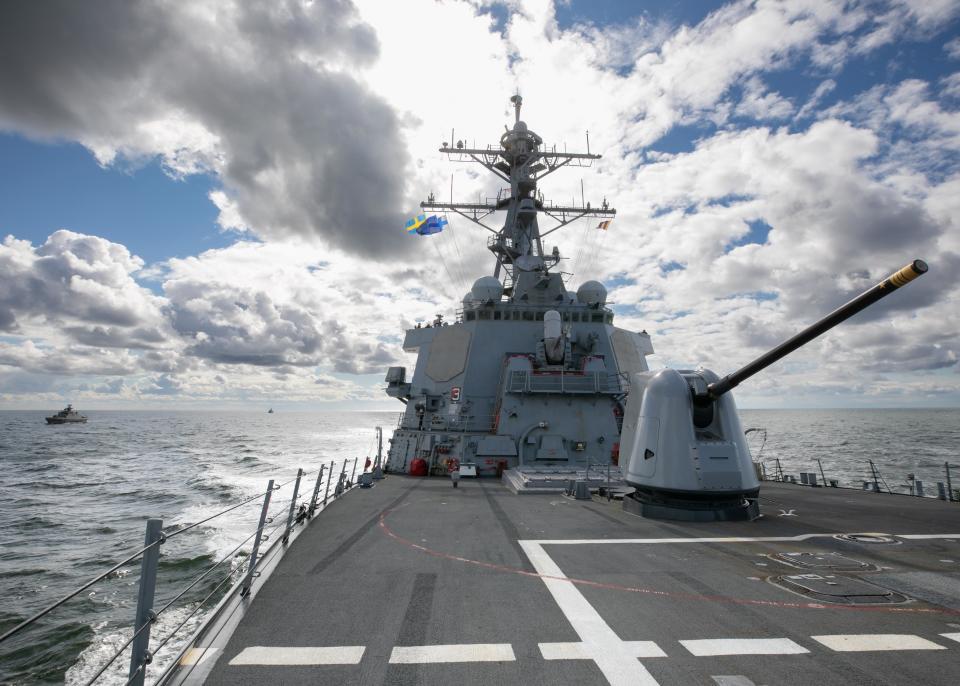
<point>27,622</point>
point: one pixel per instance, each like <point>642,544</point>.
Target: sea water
<point>74,500</point>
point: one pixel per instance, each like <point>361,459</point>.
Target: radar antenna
<point>522,160</point>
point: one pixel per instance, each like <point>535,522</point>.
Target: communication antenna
<point>521,160</point>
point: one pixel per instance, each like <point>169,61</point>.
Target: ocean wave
<point>185,564</point>
<point>37,657</point>
<point>108,638</point>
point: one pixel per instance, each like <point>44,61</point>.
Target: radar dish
<point>592,293</point>
<point>487,289</point>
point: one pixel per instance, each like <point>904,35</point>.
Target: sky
<point>202,204</point>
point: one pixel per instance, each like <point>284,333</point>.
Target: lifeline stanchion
<point>140,655</point>
<point>293,507</point>
<point>326,493</point>
<point>343,475</point>
<point>873,474</point>
<point>946,466</point>
<point>316,492</point>
<point>251,568</point>
<point>353,474</point>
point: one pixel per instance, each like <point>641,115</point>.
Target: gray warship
<point>67,415</point>
<point>617,530</point>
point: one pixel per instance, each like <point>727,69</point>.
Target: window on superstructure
<point>528,316</point>
<point>471,316</point>
<point>496,315</point>
<point>539,316</point>
<point>597,317</point>
<point>484,314</point>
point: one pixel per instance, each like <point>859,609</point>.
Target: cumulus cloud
<point>83,284</point>
<point>759,103</point>
<point>297,306</point>
<point>312,118</point>
<point>262,94</point>
<point>74,308</point>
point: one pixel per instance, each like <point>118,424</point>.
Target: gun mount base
<point>693,507</point>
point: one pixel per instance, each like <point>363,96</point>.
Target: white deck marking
<point>457,652</point>
<point>286,655</point>
<point>726,539</point>
<point>743,646</point>
<point>848,643</point>
<point>732,680</point>
<point>581,651</point>
<point>952,637</point>
<point>197,656</point>
<point>613,656</point>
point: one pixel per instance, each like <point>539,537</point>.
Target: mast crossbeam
<point>522,161</point>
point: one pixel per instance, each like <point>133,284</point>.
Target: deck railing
<point>277,520</point>
<point>872,479</point>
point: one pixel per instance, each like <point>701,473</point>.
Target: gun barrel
<point>861,302</point>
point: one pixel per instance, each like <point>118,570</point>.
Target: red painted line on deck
<point>650,591</point>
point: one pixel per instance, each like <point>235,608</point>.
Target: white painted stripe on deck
<point>743,646</point>
<point>726,539</point>
<point>952,637</point>
<point>849,643</point>
<point>612,655</point>
<point>197,656</point>
<point>287,655</point>
<point>457,652</point>
<point>580,651</point>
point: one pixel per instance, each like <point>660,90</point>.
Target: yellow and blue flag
<point>424,226</point>
<point>434,224</point>
<point>415,223</point>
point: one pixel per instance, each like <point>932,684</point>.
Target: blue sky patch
<point>46,187</point>
<point>758,233</point>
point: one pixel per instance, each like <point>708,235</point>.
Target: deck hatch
<point>823,561</point>
<point>838,589</point>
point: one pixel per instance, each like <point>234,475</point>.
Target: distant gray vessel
<point>67,415</point>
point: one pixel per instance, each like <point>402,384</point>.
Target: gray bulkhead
<point>480,394</point>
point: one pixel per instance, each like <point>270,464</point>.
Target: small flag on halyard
<point>415,223</point>
<point>604,224</point>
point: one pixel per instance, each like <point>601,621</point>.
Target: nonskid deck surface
<point>414,582</point>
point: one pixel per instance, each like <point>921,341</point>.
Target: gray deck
<point>356,578</point>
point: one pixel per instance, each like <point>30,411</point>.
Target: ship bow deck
<point>414,582</point>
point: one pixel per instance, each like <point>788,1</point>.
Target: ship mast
<point>521,160</point>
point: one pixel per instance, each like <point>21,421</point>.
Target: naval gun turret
<point>687,455</point>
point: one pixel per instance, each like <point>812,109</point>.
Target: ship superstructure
<point>530,375</point>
